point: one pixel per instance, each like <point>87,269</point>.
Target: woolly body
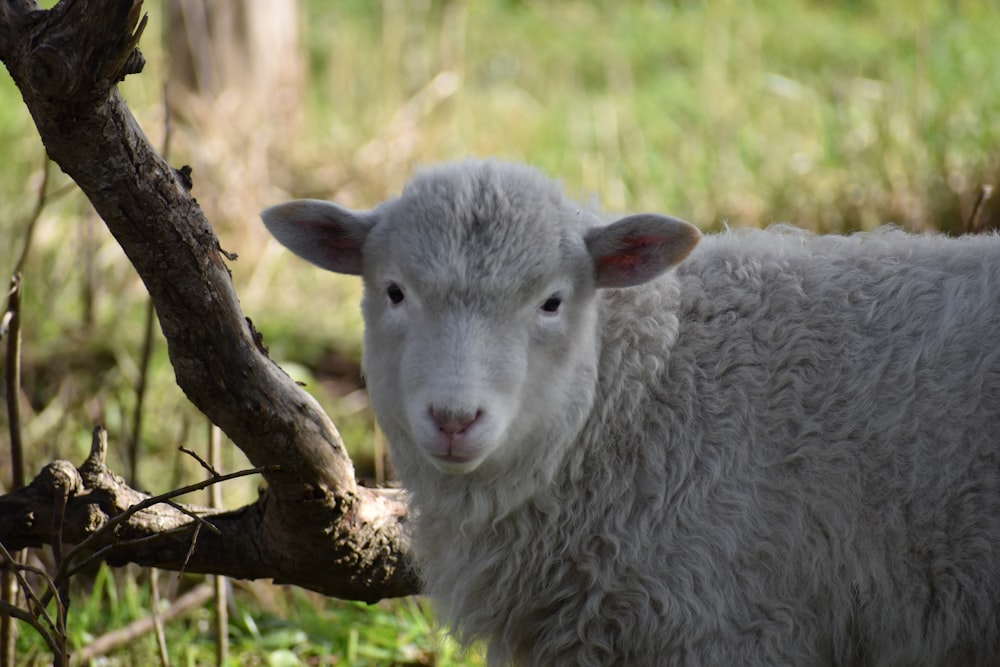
<point>784,451</point>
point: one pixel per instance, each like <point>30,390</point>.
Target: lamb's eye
<point>552,304</point>
<point>395,293</point>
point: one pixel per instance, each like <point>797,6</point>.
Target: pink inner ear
<point>634,260</point>
<point>623,262</point>
<point>334,239</point>
<point>631,252</point>
<point>337,247</point>
<point>638,248</point>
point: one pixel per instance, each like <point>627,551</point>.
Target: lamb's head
<point>481,332</point>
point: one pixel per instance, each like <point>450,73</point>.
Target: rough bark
<point>314,526</point>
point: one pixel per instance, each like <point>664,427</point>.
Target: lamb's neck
<point>449,506</point>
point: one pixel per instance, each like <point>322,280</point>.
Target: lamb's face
<point>480,331</point>
<point>481,339</point>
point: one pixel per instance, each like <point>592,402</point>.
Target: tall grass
<point>833,116</point>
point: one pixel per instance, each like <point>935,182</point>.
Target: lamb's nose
<point>453,422</point>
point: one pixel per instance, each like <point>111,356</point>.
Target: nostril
<point>453,422</point>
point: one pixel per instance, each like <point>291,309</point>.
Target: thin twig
<point>23,567</point>
<point>221,596</point>
<point>99,555</point>
<point>161,640</point>
<point>35,607</point>
<point>62,641</point>
<point>57,524</point>
<point>36,213</point>
<point>11,325</point>
<point>12,380</point>
<point>202,462</point>
<point>190,551</point>
<point>140,392</point>
<point>59,588</point>
<point>62,586</point>
<point>14,611</point>
<point>218,581</point>
<point>194,516</point>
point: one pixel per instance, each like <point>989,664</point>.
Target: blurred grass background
<point>831,115</point>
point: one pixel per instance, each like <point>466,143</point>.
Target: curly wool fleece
<point>627,446</point>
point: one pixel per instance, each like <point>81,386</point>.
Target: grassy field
<point>834,116</point>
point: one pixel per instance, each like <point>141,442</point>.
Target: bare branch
<point>11,326</point>
<point>202,462</point>
<point>66,62</point>
<point>23,615</point>
<point>119,525</point>
<point>108,533</point>
<point>36,612</point>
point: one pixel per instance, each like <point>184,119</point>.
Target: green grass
<point>267,626</point>
<point>834,116</point>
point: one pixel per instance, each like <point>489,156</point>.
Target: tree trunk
<point>313,526</point>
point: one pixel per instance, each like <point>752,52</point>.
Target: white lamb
<point>786,451</point>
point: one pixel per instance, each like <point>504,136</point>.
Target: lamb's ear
<point>327,235</point>
<point>638,248</point>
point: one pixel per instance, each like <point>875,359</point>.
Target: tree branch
<point>66,62</point>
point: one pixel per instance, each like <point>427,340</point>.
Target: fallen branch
<point>193,599</point>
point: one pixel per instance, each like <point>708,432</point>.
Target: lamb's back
<point>794,434</point>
